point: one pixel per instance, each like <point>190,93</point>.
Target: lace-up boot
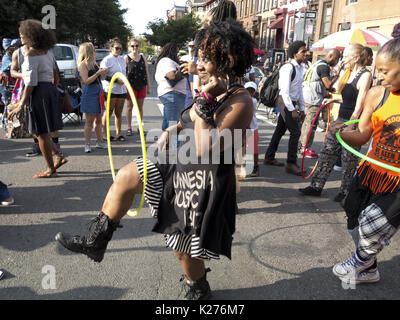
<point>197,290</point>
<point>95,243</point>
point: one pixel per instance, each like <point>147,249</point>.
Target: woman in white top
<point>171,84</point>
<point>116,63</point>
<point>40,93</point>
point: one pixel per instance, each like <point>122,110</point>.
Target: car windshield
<point>63,53</point>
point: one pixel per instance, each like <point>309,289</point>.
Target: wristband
<point>203,110</point>
<point>210,99</point>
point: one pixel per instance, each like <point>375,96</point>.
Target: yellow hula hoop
<point>121,76</point>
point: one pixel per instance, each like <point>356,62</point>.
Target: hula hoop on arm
<point>119,75</point>
<point>308,138</point>
<point>363,156</point>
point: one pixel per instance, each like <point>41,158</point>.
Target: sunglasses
<point>135,46</point>
<point>118,48</point>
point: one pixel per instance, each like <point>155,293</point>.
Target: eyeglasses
<point>135,46</point>
<point>118,48</point>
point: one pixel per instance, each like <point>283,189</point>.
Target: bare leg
<point>140,103</point>
<point>98,128</point>
<point>129,106</point>
<point>120,196</point>
<point>193,268</point>
<point>119,105</point>
<point>89,126</point>
<point>104,120</point>
<point>47,148</point>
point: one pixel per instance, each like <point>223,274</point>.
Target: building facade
<point>338,15</point>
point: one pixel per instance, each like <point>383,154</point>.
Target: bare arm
<point>363,133</point>
<point>147,75</point>
<point>363,86</point>
<point>83,71</point>
<point>15,72</point>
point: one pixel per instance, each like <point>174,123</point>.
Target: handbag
<point>66,103</point>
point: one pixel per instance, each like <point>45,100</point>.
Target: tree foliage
<point>77,21</point>
<point>178,31</point>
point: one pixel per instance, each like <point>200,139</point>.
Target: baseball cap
<point>250,84</point>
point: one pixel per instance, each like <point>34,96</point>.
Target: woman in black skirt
<point>193,201</point>
<point>40,94</point>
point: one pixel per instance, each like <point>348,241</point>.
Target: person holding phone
<point>115,63</point>
<point>90,101</point>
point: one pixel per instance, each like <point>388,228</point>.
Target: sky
<point>140,12</point>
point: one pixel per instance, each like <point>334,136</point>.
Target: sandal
<point>45,174</point>
<point>59,162</point>
<point>129,132</point>
<point>121,138</point>
<point>112,138</point>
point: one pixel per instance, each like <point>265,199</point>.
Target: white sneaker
<point>8,202</point>
<point>101,145</point>
<point>366,276</point>
<point>87,148</point>
<point>337,168</point>
<point>351,267</point>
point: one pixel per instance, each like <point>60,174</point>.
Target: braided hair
<point>224,10</point>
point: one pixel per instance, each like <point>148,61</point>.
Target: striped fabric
<point>153,193</point>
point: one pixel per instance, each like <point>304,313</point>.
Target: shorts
<point>141,94</point>
<point>116,95</point>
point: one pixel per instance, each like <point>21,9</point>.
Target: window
<point>247,7</point>
<point>251,6</point>
<point>266,5</point>
<point>62,53</point>
<point>241,8</point>
<point>259,5</point>
<point>274,4</point>
<point>326,19</point>
<point>351,1</point>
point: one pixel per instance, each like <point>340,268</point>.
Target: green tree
<point>77,21</point>
<point>178,31</point>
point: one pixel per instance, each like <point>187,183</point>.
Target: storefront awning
<point>277,24</point>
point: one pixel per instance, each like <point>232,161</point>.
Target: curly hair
<point>36,36</point>
<point>228,46</point>
<point>295,47</point>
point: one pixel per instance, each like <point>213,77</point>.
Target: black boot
<point>197,290</point>
<point>95,243</point>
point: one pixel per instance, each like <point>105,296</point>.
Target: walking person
<point>114,62</point>
<point>205,233</point>
<point>171,84</point>
<point>137,72</point>
<point>90,99</point>
<point>316,84</point>
<point>291,107</point>
<point>355,82</point>
<point>38,71</point>
<point>373,203</point>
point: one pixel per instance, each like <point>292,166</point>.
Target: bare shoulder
<point>375,96</point>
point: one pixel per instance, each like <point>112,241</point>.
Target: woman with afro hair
<point>192,196</point>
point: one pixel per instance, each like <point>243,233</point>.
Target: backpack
<point>270,90</point>
<point>309,73</point>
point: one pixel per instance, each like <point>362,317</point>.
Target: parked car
<point>67,58</point>
<point>101,54</point>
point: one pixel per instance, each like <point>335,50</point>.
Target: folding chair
<point>73,115</point>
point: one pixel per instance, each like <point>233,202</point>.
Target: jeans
<point>4,194</point>
<point>174,103</point>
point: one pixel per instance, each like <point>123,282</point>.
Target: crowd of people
<point>219,99</point>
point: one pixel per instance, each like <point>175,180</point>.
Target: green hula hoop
<point>363,156</point>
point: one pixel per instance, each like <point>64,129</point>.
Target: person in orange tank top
<point>373,204</point>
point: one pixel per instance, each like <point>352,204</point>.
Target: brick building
<point>337,15</point>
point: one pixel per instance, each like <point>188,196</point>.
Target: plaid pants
<point>331,151</point>
<point>375,232</point>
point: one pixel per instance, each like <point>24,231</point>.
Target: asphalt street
<point>284,246</point>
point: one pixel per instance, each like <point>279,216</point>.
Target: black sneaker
<point>197,290</point>
<point>310,191</point>
<point>93,245</point>
<point>35,151</point>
